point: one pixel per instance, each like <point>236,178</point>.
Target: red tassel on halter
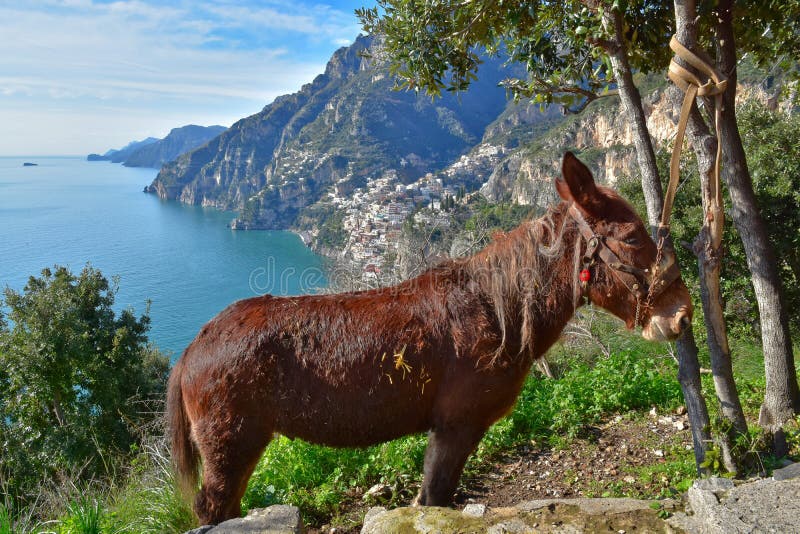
<point>585,275</point>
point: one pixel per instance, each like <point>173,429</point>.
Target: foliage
<point>85,517</point>
<point>332,233</point>
<point>768,30</point>
<point>564,46</point>
<point>772,143</point>
<point>434,46</point>
<point>149,501</point>
<point>250,210</point>
<point>76,377</point>
<point>498,217</point>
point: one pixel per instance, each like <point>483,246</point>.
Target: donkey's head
<point>623,270</point>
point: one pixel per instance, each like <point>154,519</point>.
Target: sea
<point>181,262</point>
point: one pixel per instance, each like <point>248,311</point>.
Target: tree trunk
<point>58,412</point>
<point>708,248</point>
<point>632,106</point>
<point>781,398</point>
<point>696,408</point>
<point>688,364</point>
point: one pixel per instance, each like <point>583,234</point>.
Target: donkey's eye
<point>631,241</point>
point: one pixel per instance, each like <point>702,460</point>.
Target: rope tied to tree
<point>715,85</point>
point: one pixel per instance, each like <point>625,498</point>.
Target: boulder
<point>278,519</point>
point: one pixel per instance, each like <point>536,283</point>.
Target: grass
<point>149,501</point>
<point>5,520</point>
<point>85,517</point>
<point>144,501</point>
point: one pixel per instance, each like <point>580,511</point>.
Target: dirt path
<point>635,458</point>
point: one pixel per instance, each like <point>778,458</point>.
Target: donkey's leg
<point>447,452</point>
<point>228,461</point>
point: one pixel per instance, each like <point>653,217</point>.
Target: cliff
<point>344,127</point>
<point>601,136</point>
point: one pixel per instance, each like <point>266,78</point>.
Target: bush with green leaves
<point>79,381</point>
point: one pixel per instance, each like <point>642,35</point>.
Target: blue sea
<point>183,259</point>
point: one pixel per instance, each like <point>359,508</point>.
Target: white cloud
<point>76,61</point>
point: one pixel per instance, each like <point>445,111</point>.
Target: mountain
<point>344,127</point>
<point>178,141</point>
<point>118,156</point>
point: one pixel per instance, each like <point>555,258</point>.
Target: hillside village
<point>374,215</point>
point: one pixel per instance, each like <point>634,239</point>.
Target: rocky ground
<point>627,457</point>
<point>712,506</point>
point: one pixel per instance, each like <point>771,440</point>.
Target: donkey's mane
<point>516,272</point>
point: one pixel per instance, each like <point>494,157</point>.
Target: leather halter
<point>644,284</point>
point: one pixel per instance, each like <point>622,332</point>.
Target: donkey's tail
<point>185,456</point>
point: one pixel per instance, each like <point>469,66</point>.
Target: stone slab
<point>278,519</point>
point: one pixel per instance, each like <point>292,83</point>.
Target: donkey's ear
<point>577,184</point>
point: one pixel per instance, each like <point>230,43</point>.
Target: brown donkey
<point>446,352</point>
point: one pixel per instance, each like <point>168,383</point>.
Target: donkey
<point>446,352</point>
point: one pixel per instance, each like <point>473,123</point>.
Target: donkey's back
<point>351,369</point>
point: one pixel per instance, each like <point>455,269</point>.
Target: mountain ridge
<point>153,152</point>
<point>339,130</point>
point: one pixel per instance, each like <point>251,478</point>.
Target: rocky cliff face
<point>601,136</point>
<point>342,128</point>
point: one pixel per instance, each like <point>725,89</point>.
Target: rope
<point>693,87</point>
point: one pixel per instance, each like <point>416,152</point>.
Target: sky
<point>82,76</point>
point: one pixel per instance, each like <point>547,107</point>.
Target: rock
<point>590,506</point>
<point>474,510</point>
<point>198,530</point>
<point>680,425</point>
<point>718,505</point>
<point>786,473</point>
<point>546,515</point>
<point>509,527</point>
<point>629,479</point>
<point>714,484</point>
<point>765,505</point>
<point>658,453</point>
<point>277,519</point>
<point>371,515</point>
<point>680,410</point>
<point>378,492</point>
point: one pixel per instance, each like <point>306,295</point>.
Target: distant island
<point>153,152</point>
<point>29,164</point>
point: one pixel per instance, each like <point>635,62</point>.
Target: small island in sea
<point>29,164</point>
